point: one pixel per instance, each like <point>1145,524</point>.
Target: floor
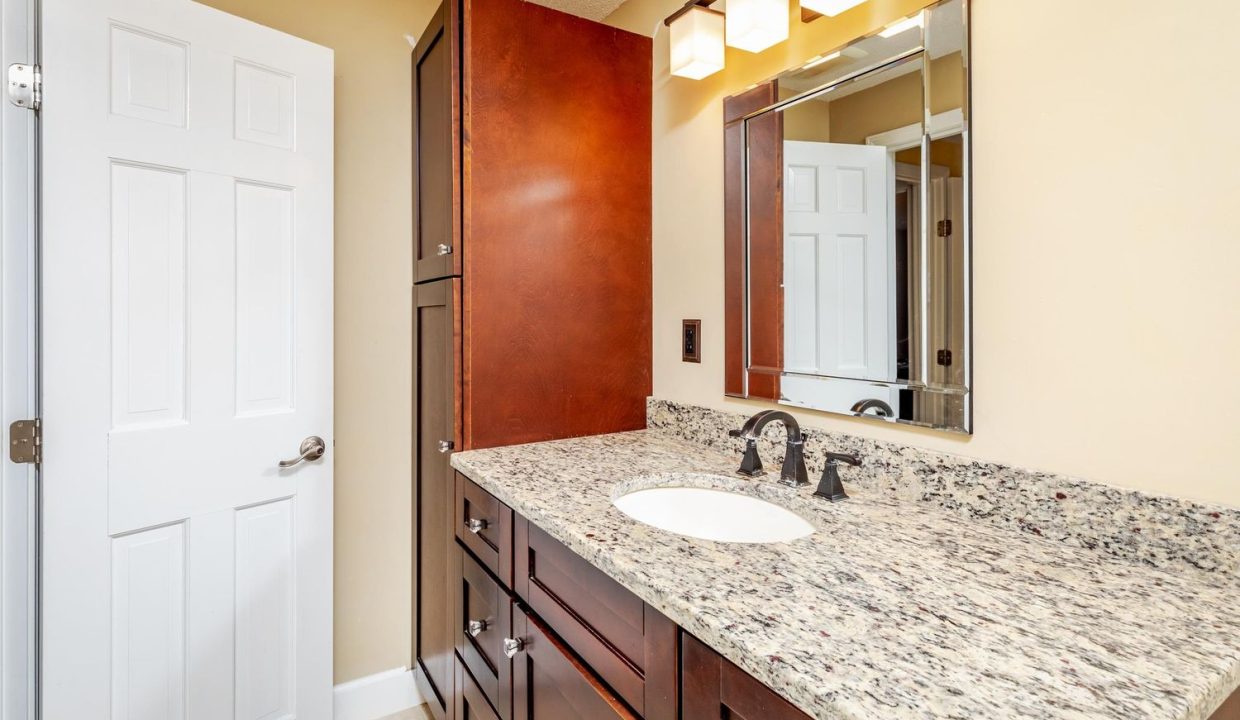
<point>418,713</point>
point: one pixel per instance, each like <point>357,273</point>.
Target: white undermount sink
<point>712,514</point>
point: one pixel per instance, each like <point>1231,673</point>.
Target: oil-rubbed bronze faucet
<point>830,486</point>
<point>793,472</point>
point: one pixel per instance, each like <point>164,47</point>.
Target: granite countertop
<point>891,609</point>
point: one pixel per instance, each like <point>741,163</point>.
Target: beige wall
<point>1107,242</point>
<point>373,313</point>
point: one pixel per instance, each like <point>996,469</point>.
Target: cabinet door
<point>550,684</point>
<point>715,689</point>
<point>436,143</point>
<point>435,423</point>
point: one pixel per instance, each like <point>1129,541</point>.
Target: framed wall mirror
<point>847,216</point>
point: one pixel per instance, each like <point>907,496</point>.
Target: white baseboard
<point>376,696</point>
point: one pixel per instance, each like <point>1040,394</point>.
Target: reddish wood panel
<point>767,343</point>
<point>557,225</point>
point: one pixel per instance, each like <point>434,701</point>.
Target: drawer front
<point>471,704</point>
<point>550,684</point>
<point>631,646</point>
<point>483,619</point>
<point>484,525</point>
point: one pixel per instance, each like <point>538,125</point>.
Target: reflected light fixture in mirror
<point>696,35</point>
<point>830,8</point>
<point>899,27</point>
<point>755,25</point>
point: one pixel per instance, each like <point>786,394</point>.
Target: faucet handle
<point>834,457</point>
<point>751,464</point>
<point>736,433</point>
<point>829,486</point>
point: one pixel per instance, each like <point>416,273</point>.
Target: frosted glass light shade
<point>756,25</point>
<point>697,43</point>
<point>830,8</point>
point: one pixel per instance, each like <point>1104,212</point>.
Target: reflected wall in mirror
<point>847,222</point>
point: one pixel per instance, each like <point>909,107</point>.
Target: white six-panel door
<point>187,305</point>
<point>839,313</point>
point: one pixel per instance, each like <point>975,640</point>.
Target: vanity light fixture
<point>901,26</point>
<point>755,25</point>
<point>696,35</point>
<point>830,8</point>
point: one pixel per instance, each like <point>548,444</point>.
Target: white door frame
<point>19,387</point>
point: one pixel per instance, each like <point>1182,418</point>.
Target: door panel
<point>436,149</point>
<point>837,215</point>
<point>436,571</point>
<point>187,281</point>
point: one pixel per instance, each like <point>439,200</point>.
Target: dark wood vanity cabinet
<point>532,272</point>
<point>714,689</point>
<point>585,646</point>
<point>550,683</point>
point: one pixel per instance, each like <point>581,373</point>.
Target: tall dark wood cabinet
<point>436,366</point>
<point>532,277</point>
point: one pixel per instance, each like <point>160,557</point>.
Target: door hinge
<point>26,442</point>
<point>945,357</point>
<point>26,86</point>
<point>944,228</point>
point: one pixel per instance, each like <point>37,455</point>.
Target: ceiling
<point>589,9</point>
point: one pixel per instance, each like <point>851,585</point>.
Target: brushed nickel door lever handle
<point>312,448</point>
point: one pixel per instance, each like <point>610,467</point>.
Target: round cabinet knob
<point>443,250</point>
<point>476,627</point>
<point>512,646</point>
<point>446,446</point>
<point>475,525</point>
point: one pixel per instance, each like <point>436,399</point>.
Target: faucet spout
<point>793,472</point>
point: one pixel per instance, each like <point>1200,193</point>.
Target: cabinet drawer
<point>471,704</point>
<point>631,646</point>
<point>550,684</point>
<point>715,689</point>
<point>484,525</point>
<point>483,619</point>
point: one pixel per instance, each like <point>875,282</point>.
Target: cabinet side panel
<point>557,219</point>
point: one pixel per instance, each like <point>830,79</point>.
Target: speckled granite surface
<point>892,609</point>
<point>1158,531</point>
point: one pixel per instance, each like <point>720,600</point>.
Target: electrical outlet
<point>691,341</point>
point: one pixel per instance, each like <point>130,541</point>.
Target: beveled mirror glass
<point>854,221</point>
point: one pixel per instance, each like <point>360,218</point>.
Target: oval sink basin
<point>713,515</point>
